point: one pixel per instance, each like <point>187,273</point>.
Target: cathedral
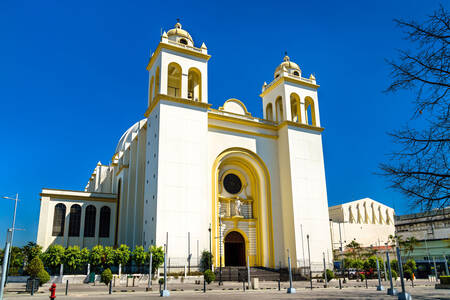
<point>198,178</point>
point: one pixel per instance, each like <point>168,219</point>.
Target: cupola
<point>288,66</point>
<point>180,35</point>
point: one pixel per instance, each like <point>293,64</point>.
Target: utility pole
<point>210,253</point>
<point>309,257</point>
<point>303,246</point>
<point>189,253</point>
<point>5,263</point>
<point>220,250</point>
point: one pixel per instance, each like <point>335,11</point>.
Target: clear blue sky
<point>73,79</point>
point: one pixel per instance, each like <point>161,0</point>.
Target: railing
<point>184,46</point>
<point>238,116</point>
<point>227,209</point>
<point>292,76</point>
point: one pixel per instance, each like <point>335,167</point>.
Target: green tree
<point>209,276</point>
<point>357,264</point>
<point>31,250</point>
<point>354,249</point>
<point>205,261</point>
<point>157,257</point>
<point>96,257</point>
<point>122,255</point>
<point>109,256</point>
<point>139,255</point>
<point>16,261</point>
<point>85,256</point>
<point>53,257</point>
<point>72,258</point>
<point>409,245</point>
<point>43,277</point>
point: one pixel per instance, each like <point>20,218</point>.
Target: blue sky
<point>73,79</point>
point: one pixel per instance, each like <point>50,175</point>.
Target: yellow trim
<point>243,131</point>
<point>251,158</point>
<point>300,125</point>
<point>121,168</point>
<point>85,198</point>
<point>238,102</point>
<point>282,80</point>
<point>235,120</point>
<point>160,97</point>
<point>177,49</point>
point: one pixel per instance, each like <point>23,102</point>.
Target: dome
<point>177,34</point>
<point>128,135</point>
<point>289,65</point>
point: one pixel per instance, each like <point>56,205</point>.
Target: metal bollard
<point>204,286</point>
<point>366,283</point>
<point>110,287</point>
<point>279,285</point>
<point>32,287</point>
<point>243,285</point>
<point>67,286</point>
<point>340,284</point>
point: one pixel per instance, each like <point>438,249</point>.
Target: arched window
<point>59,217</point>
<point>279,109</point>
<point>74,220</point>
<point>195,85</point>
<point>105,220</point>
<point>89,221</point>
<point>296,73</point>
<point>269,112</point>
<point>174,80</point>
<point>150,94</point>
<point>183,41</point>
<point>157,83</point>
<point>310,112</point>
<point>295,108</point>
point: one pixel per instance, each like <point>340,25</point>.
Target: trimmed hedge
<point>445,279</point>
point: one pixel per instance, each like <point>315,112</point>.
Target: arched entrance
<point>234,249</point>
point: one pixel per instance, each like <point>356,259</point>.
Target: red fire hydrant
<point>52,290</point>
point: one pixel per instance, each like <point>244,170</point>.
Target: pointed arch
<point>279,109</point>
<point>174,80</point>
<point>310,111</point>
<point>195,84</point>
<point>150,96</point>
<point>269,112</point>
<point>295,108</point>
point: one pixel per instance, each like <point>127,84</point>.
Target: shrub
<point>106,276</point>
<point>72,258</point>
<point>43,277</point>
<point>408,274</point>
<point>209,276</point>
<point>157,257</point>
<point>445,279</point>
<point>31,250</point>
<point>205,261</point>
<point>53,257</point>
<point>139,255</point>
<point>34,267</point>
<point>362,276</point>
<point>394,274</point>
<point>330,275</point>
<point>122,255</point>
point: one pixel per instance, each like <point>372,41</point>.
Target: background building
<point>365,221</point>
<point>431,229</point>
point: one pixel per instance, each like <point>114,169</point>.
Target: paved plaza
<point>233,290</point>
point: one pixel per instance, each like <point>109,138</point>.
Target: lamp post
<point>5,262</point>
<point>12,230</point>
<point>210,254</point>
<point>220,249</point>
<point>391,291</point>
<point>309,258</point>
<point>290,290</point>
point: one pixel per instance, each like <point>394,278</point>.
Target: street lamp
<point>210,253</point>
<point>13,227</point>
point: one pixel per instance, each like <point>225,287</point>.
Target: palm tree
<point>409,244</point>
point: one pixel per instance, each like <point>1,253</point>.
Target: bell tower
<point>178,69</point>
<point>291,97</point>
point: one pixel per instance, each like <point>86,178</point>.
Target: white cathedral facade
<point>246,187</point>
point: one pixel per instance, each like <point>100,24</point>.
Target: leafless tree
<point>419,168</point>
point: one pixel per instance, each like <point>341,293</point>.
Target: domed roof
<point>290,66</point>
<point>128,135</point>
<point>177,31</point>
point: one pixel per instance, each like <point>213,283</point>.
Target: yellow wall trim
<point>177,49</point>
<point>300,125</point>
<point>235,120</point>
<point>242,131</point>
<point>282,80</point>
<point>175,100</point>
<point>121,168</point>
<point>87,198</point>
